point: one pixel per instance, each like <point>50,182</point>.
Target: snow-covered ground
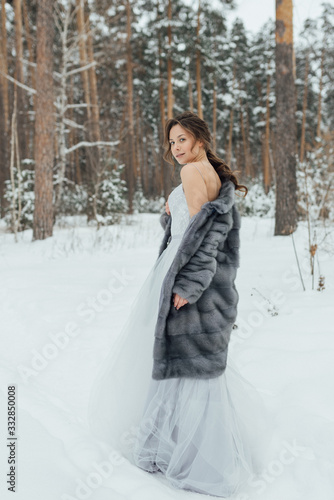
<point>58,323</point>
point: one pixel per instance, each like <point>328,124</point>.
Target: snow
<point>228,99</point>
<point>259,109</point>
<point>64,301</point>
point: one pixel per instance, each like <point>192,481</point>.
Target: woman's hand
<point>179,301</point>
<point>167,208</point>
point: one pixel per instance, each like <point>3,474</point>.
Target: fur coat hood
<point>193,341</point>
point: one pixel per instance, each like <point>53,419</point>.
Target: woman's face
<point>182,145</point>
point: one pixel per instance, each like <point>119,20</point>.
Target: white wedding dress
<point>203,434</point>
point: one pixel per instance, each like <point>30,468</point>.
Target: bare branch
<point>56,75</point>
<point>83,105</point>
<point>78,70</point>
<point>73,124</point>
<point>29,63</point>
<point>19,84</point>
<point>85,144</point>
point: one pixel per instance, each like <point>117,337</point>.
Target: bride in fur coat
<point>168,395</point>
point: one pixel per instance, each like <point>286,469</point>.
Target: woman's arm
<point>196,276</point>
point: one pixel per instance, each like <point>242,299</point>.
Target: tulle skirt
<point>203,434</point>
<point>190,432</point>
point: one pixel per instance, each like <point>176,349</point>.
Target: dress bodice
<point>179,211</point>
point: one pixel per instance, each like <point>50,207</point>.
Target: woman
<point>187,413</point>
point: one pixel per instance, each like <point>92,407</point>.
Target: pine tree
<point>44,124</point>
<point>285,160</point>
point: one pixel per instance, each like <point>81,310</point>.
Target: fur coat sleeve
<point>193,341</point>
<point>197,274</point>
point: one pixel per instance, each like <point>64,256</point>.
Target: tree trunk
<point>243,135</point>
<point>83,52</point>
<point>3,159</point>
<point>138,140</point>
<point>19,77</point>
<point>230,133</point>
<point>161,92</point>
<point>92,83</point>
<point>4,66</point>
<point>266,163</point>
<point>145,159</point>
<point>44,123</point>
<point>198,65</point>
<point>190,91</point>
<point>320,94</point>
<point>71,134</point>
<point>132,165</point>
<point>61,126</point>
<point>118,154</point>
<point>249,170</point>
<point>230,136</point>
<point>92,126</point>
<point>285,162</point>
<point>272,152</point>
<point>4,110</point>
<point>161,77</point>
<point>159,178</point>
<point>30,141</point>
<point>30,48</point>
<point>238,158</point>
<point>15,155</point>
<point>302,139</point>
<point>143,166</point>
<point>169,65</point>
<point>214,114</point>
<point>156,159</point>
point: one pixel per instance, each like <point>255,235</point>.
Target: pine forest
<point>87,86</point>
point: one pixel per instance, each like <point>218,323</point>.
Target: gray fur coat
<point>193,341</point>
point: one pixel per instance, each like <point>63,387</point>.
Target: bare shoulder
<point>192,165</point>
<point>192,178</point>
<point>202,177</point>
<point>188,170</point>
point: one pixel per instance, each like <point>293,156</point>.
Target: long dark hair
<point>199,129</point>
